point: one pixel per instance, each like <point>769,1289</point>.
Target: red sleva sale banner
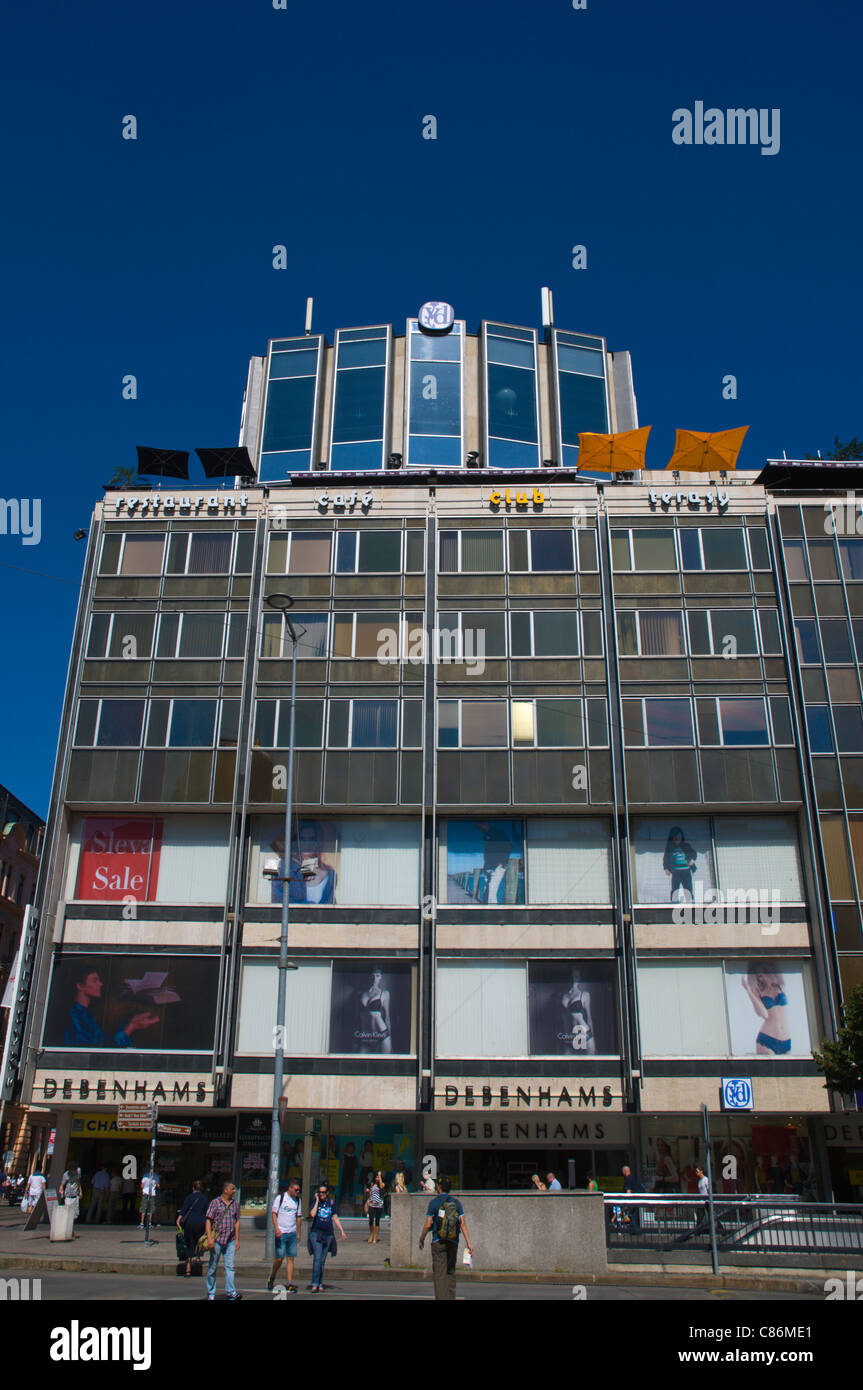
<point>119,859</point>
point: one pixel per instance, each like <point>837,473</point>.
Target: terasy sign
<point>119,859</point>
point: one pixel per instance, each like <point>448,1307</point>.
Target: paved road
<point>75,1286</point>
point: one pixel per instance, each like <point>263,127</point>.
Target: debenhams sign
<point>527,1098</point>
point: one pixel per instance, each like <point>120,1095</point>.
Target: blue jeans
<point>320,1249</point>
<point>215,1254</point>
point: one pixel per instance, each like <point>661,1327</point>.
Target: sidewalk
<point>121,1250</point>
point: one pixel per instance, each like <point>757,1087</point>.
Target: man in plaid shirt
<point>223,1238</point>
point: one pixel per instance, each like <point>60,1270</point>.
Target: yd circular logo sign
<point>436,317</point>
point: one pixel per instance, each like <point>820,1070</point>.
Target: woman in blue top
<point>766,989</point>
<point>324,1217</point>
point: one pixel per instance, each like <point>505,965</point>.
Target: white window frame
<point>557,656</point>
<point>278,702</point>
<point>646,656</point>
<point>629,531</point>
<point>459,530</point>
<point>100,701</point>
<point>217,723</point>
<point>754,699</point>
<point>175,656</point>
<point>529,530</point>
<point>460,746</point>
<point>372,329</point>
<point>644,743</point>
<point>459,330</point>
<point>372,531</point>
<point>540,699</point>
<point>113,616</point>
<point>486,364</point>
<point>350,701</point>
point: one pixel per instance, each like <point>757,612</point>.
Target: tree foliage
<point>842,1061</point>
<point>842,453</point>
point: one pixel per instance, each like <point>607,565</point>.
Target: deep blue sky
<point>303,126</point>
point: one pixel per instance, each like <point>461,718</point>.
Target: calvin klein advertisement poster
<point>370,1008</point>
<point>146,1003</point>
<point>767,1013</point>
<point>572,1010</point>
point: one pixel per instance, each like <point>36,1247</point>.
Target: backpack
<point>448,1218</point>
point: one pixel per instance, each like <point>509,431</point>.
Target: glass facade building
<point>576,803</point>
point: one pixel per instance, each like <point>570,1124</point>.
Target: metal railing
<point>759,1226</point>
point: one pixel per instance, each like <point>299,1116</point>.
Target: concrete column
<point>61,1148</point>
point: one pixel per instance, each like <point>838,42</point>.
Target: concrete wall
<point>561,1232</point>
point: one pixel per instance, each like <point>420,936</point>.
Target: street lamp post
<point>282,602</point>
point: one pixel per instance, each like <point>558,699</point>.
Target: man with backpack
<point>445,1220</point>
<point>287,1219</point>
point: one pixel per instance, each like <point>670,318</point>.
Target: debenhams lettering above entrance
<point>174,1092</point>
<point>528,1098</point>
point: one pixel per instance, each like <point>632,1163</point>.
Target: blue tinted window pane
<point>436,399</point>
<point>120,723</point>
<point>743,721</point>
<point>851,555</point>
<point>283,344</point>
<point>276,466</point>
<point>669,722</point>
<point>509,353</point>
<point>808,645</point>
<point>428,452</point>
<point>582,405</point>
<point>818,724</point>
<point>290,404</point>
<point>192,724</point>
<point>346,552</point>
<point>582,360</point>
<point>505,453</point>
<point>359,412</point>
<point>570,460</point>
<point>580,340</point>
<point>357,456</point>
<point>284,364</point>
<point>504,330</point>
<point>849,728</point>
<point>353,335</point>
<point>427,349</point>
<point>380,552</point>
<point>374,724</point>
<point>551,550</point>
<point>690,550</point>
<point>511,403</point>
<point>835,640</point>
<point>368,354</point>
